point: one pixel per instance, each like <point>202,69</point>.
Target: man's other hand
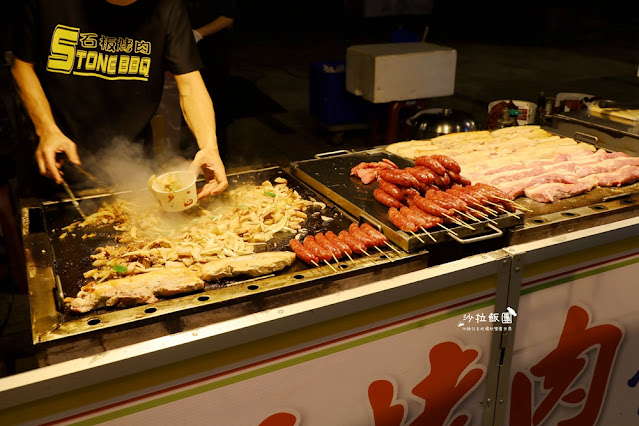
<point>48,149</point>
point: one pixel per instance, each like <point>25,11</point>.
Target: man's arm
<point>52,140</point>
<point>197,108</point>
<point>218,24</point>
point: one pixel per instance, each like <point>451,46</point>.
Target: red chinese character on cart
<point>281,419</point>
<point>443,389</point>
<point>579,343</point>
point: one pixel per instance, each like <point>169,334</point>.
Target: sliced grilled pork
<point>252,265</point>
<point>135,290</point>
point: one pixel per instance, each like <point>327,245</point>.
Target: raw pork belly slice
<point>624,176</point>
<point>551,177</point>
<point>516,188</point>
<point>509,176</point>
<point>549,192</point>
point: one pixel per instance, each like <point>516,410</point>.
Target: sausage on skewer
<point>391,189</point>
<point>445,181</point>
<point>337,241</point>
<point>501,196</point>
<point>399,177</point>
<point>421,221</point>
<point>432,221</point>
<point>431,163</point>
<point>422,174</point>
<point>319,251</point>
<point>324,242</point>
<point>385,198</point>
<point>410,192</point>
<point>457,178</point>
<point>432,208</point>
<point>469,200</point>
<point>454,202</point>
<point>357,233</point>
<point>303,253</point>
<point>447,162</point>
<point>374,233</point>
<point>476,195</point>
<point>355,244</point>
<point>401,221</point>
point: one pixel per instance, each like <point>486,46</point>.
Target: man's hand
<point>50,145</point>
<point>209,161</point>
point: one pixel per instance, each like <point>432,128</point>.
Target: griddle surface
<point>71,255</point>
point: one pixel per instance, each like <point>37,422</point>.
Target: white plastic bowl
<point>175,191</point>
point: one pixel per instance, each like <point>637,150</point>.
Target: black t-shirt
<point>102,66</point>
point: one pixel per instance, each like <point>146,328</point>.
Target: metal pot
<point>429,123</point>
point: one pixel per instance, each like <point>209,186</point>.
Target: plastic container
<point>328,99</point>
<point>175,191</point>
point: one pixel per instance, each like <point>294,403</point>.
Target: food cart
<point>534,322</point>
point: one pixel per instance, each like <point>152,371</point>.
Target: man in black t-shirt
<point>89,71</point>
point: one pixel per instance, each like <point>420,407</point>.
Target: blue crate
<point>328,99</point>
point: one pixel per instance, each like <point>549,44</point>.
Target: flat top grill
<point>72,254</point>
<point>70,258</point>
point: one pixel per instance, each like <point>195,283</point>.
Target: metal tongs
<point>74,200</point>
<point>69,192</point>
<point>88,175</point>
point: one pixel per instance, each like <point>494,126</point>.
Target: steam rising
<point>125,166</point>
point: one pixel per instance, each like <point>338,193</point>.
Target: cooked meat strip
<point>253,265</point>
<point>135,290</point>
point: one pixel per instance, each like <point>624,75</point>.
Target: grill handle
<point>332,153</point>
<point>498,233</point>
<point>585,137</point>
